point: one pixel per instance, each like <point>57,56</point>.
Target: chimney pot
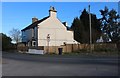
<point>34,19</point>
<point>52,12</point>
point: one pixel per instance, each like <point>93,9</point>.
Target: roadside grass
<point>94,53</point>
<point>78,53</point>
<point>86,53</point>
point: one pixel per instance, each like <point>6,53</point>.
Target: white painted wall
<point>58,33</point>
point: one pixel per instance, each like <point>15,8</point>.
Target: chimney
<point>34,19</point>
<point>52,12</point>
<point>65,23</point>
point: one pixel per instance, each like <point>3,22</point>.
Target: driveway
<point>16,64</point>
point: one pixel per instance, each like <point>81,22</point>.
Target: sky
<point>19,14</point>
<point>59,0</point>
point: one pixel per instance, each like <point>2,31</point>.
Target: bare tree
<point>15,35</point>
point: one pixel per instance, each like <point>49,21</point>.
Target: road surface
<point>15,64</point>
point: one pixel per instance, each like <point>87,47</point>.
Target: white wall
<point>58,33</point>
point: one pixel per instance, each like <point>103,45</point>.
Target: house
<point>100,40</point>
<point>49,31</point>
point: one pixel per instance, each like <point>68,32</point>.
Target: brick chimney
<point>34,19</point>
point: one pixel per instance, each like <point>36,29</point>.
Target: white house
<point>47,31</point>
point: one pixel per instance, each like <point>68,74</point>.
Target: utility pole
<point>90,28</point>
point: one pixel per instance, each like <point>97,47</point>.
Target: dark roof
<point>68,28</point>
<point>34,24</point>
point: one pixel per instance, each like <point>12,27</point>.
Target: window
<point>33,43</point>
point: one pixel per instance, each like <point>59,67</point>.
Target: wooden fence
<point>83,47</point>
<point>74,47</point>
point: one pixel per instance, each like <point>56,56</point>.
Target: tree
<point>15,35</point>
<point>6,41</point>
<point>110,24</point>
<point>0,41</point>
<point>76,28</point>
<point>81,29</point>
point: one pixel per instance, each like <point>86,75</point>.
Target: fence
<point>83,47</point>
<point>74,47</point>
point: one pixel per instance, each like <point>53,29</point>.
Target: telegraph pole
<point>90,28</point>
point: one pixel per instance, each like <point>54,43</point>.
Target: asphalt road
<point>14,64</point>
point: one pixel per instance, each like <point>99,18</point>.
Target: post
<point>90,29</point>
<point>48,40</point>
<point>48,47</point>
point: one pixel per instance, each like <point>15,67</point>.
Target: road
<point>15,64</point>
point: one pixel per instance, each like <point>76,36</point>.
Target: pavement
<point>16,64</point>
